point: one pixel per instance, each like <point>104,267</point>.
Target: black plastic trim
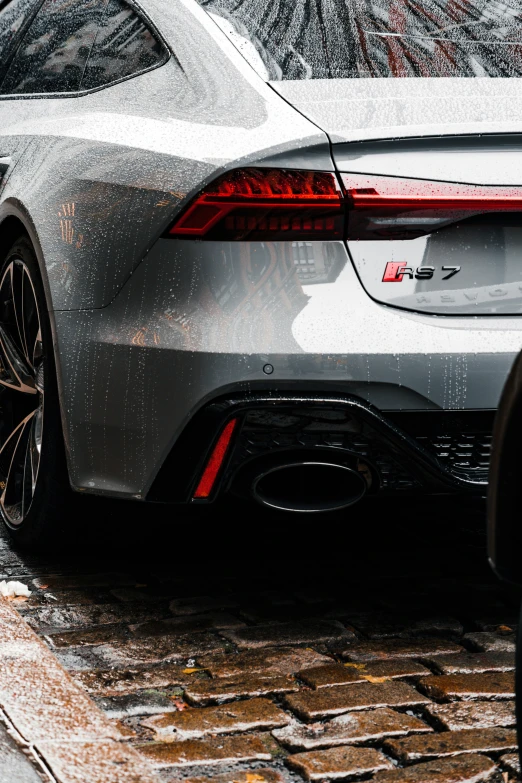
<point>183,466</point>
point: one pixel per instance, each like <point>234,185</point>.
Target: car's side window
<point>54,51</point>
<point>125,46</point>
<point>13,16</point>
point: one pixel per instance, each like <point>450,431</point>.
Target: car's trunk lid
<point>357,109</point>
<point>436,130</point>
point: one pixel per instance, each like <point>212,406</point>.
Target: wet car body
<point>161,339</point>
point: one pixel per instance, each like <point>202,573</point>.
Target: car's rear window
<point>347,39</point>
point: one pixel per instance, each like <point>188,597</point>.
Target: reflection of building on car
<point>315,264</point>
<point>256,292</point>
<point>199,202</point>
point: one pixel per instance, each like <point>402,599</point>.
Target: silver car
<point>265,247</point>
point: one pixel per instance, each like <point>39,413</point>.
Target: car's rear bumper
<point>428,451</point>
<point>198,322</point>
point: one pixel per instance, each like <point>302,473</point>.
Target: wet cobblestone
<point>338,763</point>
<point>397,648</point>
<point>259,775</point>
<point>491,642</point>
<point>464,769</point>
<point>239,716</point>
<point>394,670</point>
<point>337,674</point>
<point>223,689</point>
<point>206,751</point>
<point>81,616</point>
<point>304,632</point>
<point>473,715</point>
<point>191,624</point>
<point>116,682</point>
<point>351,728</point>
<point>282,660</point>
<point>490,685</point>
<point>472,663</point>
<point>452,744</point>
<point>140,703</point>
<point>374,625</point>
<point>156,649</point>
<point>311,705</point>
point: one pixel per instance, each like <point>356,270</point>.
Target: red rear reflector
<point>210,474</point>
<point>261,204</point>
<point>396,208</point>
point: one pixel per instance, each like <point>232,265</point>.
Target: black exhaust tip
<point>309,486</point>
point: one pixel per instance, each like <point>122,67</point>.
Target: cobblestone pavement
<point>242,646</point>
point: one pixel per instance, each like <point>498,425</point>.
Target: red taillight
<point>261,204</point>
<point>282,204</point>
<point>213,466</point>
<point>397,208</point>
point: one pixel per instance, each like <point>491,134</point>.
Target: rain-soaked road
<point>243,646</point>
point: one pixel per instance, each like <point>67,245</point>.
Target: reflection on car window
<point>124,46</point>
<point>54,51</point>
<point>329,39</point>
<point>12,18</point>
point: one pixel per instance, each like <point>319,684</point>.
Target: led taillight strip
<point>206,213</point>
<point>369,192</point>
<point>280,204</point>
<point>250,203</point>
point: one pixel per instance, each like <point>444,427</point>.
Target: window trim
<point>37,4</point>
<point>79,93</point>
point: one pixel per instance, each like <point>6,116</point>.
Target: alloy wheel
<point>21,392</point>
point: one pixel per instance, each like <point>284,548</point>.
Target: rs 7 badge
<point>395,272</point>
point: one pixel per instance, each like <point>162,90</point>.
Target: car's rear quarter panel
<point>101,175</point>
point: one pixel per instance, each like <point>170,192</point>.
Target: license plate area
<point>469,268</point>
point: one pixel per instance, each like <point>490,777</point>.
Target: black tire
<point>35,494</point>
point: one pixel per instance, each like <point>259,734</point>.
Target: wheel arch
<point>15,221</point>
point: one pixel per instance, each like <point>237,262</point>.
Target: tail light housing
<point>260,204</point>
<point>253,204</point>
<point>397,208</point>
